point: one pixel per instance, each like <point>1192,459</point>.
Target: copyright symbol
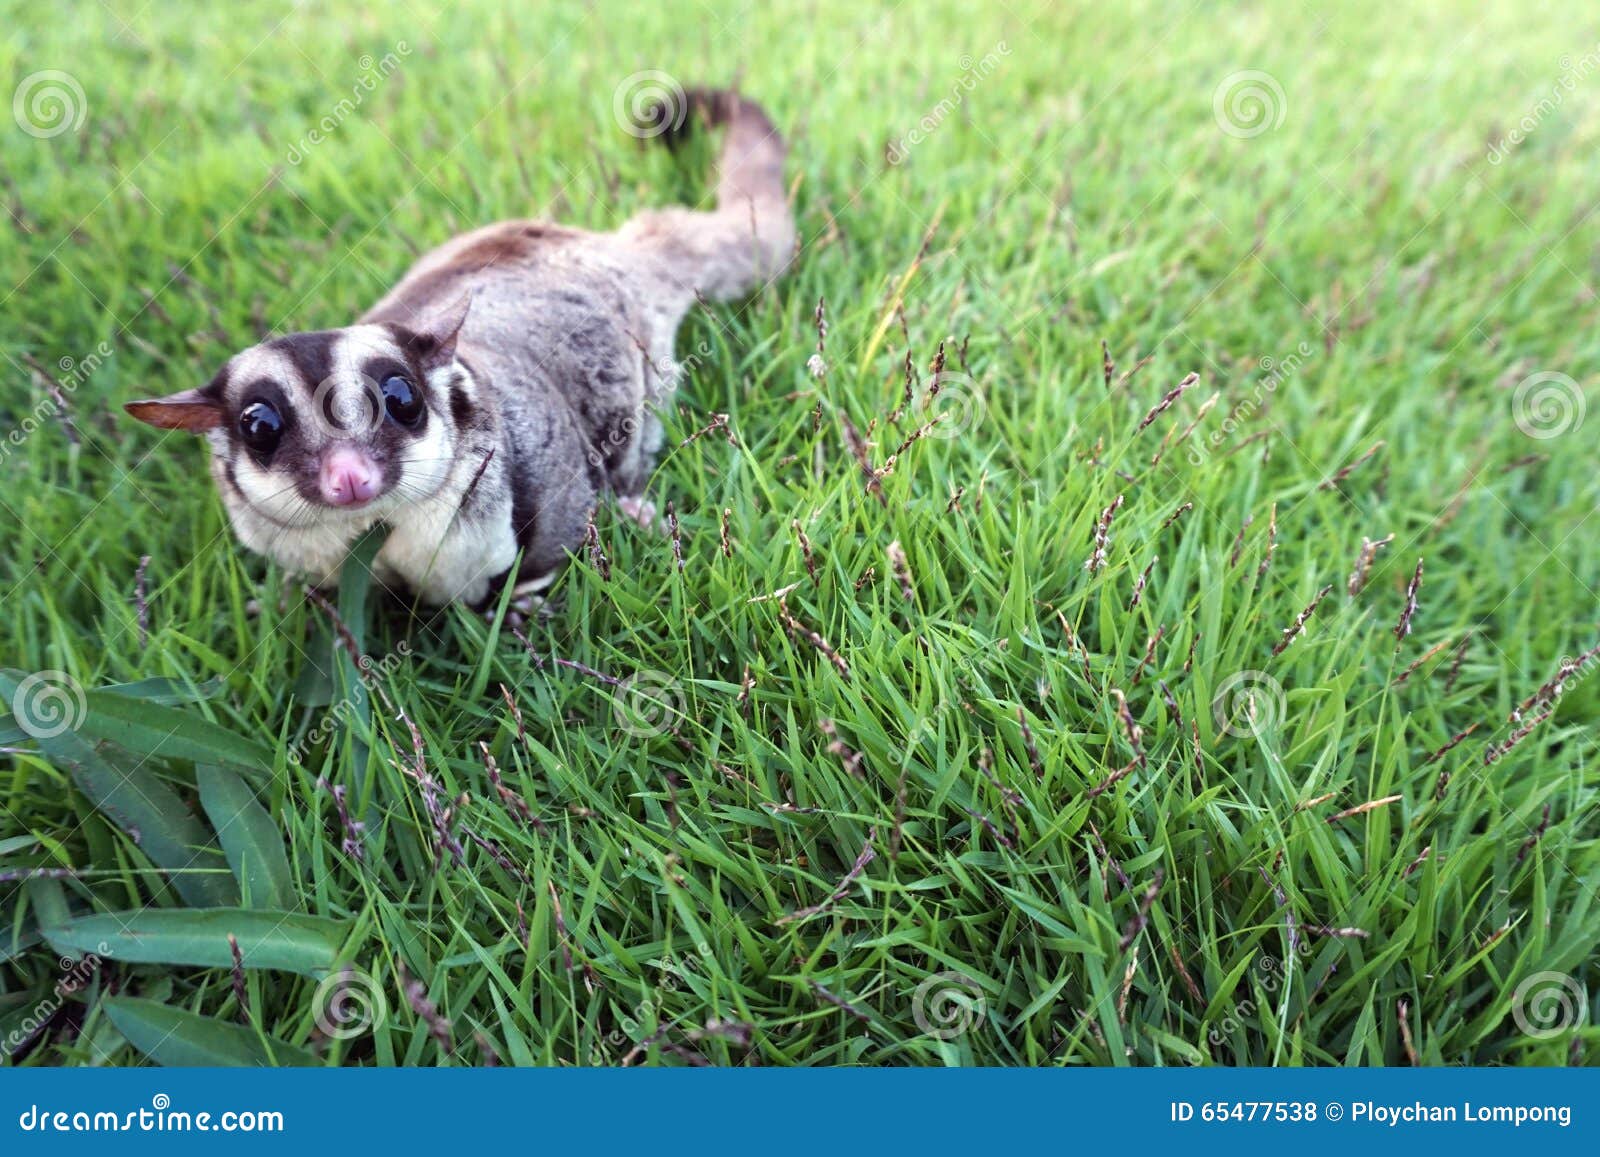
<point>1333,1111</point>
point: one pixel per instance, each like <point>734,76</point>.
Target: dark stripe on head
<point>461,408</point>
<point>311,353</point>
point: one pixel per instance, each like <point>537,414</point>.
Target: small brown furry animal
<point>483,405</point>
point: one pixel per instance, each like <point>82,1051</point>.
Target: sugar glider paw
<point>638,508</point>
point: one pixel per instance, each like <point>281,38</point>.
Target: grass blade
<point>284,940</point>
<point>171,1036</point>
<point>250,840</point>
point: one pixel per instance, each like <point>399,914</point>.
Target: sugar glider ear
<point>435,343</point>
<point>190,410</point>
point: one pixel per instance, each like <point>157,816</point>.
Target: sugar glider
<point>481,407</point>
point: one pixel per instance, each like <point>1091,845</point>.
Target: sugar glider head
<point>329,428</point>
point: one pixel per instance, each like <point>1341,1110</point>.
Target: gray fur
<point>538,401</point>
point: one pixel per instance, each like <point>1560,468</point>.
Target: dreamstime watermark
<point>49,103</point>
<point>49,703</point>
<point>648,703</point>
<point>953,404</point>
<point>972,71</point>
<point>649,103</point>
<point>75,976</point>
<point>72,373</point>
<point>373,73</point>
<point>948,1005</point>
<point>1249,103</point>
<point>1248,703</point>
<point>368,672</point>
<point>1274,372</point>
<point>1572,71</point>
<point>1272,976</point>
<point>349,1003</point>
<point>1547,1004</point>
<point>160,1117</point>
<point>676,973</point>
<point>665,374</point>
<point>339,412</point>
<point>1547,405</point>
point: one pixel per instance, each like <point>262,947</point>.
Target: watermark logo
<point>75,976</point>
<point>1547,1004</point>
<point>948,1004</point>
<point>648,703</point>
<point>349,1003</point>
<point>1547,405</point>
<point>1248,703</point>
<point>373,73</point>
<point>1272,975</point>
<point>953,404</point>
<point>49,103</point>
<point>368,671</point>
<point>1572,71</point>
<point>59,389</point>
<point>1274,373</point>
<point>649,103</point>
<point>972,71</point>
<point>1249,103</point>
<point>49,703</point>
<point>339,410</point>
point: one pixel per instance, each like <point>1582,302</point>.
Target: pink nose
<point>348,477</point>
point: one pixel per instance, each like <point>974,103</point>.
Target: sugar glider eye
<point>261,426</point>
<point>402,400</point>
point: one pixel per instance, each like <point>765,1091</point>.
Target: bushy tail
<point>751,165</point>
<point>748,239</point>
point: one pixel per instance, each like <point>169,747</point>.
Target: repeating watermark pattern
<point>49,703</point>
<point>1248,703</point>
<point>972,72</point>
<point>669,370</point>
<point>368,672</point>
<point>1274,373</point>
<point>953,404</point>
<point>948,1004</point>
<point>341,413</point>
<point>373,73</point>
<point>349,1003</point>
<point>73,372</point>
<point>75,976</point>
<point>1271,977</point>
<point>49,103</point>
<point>627,1034</point>
<point>1249,103</point>
<point>648,703</point>
<point>1548,1004</point>
<point>649,103</point>
<point>1572,71</point>
<point>1547,405</point>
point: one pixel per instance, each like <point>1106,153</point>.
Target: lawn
<point>1152,624</point>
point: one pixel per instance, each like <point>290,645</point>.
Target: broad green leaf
<point>289,941</point>
<point>153,729</point>
<point>167,691</point>
<point>20,1019</point>
<point>142,723</point>
<point>172,1036</point>
<point>314,686</point>
<point>355,582</point>
<point>14,942</point>
<point>135,799</point>
<point>251,841</point>
<point>48,901</point>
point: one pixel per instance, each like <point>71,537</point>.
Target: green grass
<point>1401,280</point>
